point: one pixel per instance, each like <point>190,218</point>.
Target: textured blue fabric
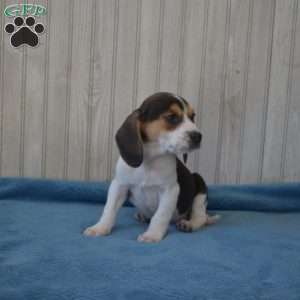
<point>253,252</point>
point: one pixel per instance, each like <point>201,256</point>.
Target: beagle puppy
<point>151,176</point>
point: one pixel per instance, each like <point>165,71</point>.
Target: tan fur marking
<point>152,130</point>
<point>190,111</point>
<point>175,109</point>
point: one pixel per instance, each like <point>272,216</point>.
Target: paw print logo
<point>24,32</point>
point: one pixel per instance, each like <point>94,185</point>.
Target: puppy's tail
<point>212,219</point>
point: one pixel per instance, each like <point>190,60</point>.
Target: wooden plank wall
<point>237,62</point>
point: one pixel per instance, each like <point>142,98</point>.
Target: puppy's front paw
<point>97,230</point>
<point>148,237</point>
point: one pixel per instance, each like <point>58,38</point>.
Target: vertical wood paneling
<point>33,112</point>
<point>183,16</point>
<point>106,33</point>
<point>277,104</point>
<point>234,91</point>
<point>149,33</point>
<point>137,55</point>
<point>192,63</point>
<point>217,36</point>
<point>79,88</point>
<point>124,92</point>
<point>162,5</point>
<point>292,154</point>
<point>236,62</point>
<point>45,90</point>
<point>12,100</point>
<point>257,87</point>
<point>68,88</point>
<point>90,92</point>
<point>22,111</point>
<point>57,88</point>
<point>289,86</point>
<point>169,65</point>
<point>244,90</point>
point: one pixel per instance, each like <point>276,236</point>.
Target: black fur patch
<point>155,105</point>
<point>201,187</point>
<point>190,186</point>
<point>184,101</point>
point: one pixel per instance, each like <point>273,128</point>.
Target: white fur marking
<point>177,141</point>
<point>199,216</point>
<point>163,215</point>
<point>117,194</point>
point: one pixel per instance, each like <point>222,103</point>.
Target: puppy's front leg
<point>117,194</point>
<point>162,217</point>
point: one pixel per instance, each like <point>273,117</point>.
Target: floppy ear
<point>129,141</point>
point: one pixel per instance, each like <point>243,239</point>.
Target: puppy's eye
<point>192,117</point>
<point>173,119</point>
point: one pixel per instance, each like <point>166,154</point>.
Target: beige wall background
<point>236,61</point>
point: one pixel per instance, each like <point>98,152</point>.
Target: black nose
<point>195,138</point>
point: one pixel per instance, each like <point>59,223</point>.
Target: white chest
<point>145,199</point>
<point>157,172</point>
<point>147,182</point>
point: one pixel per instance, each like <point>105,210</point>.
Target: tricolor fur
<point>150,174</point>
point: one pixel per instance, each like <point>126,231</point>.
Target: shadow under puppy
<point>149,173</point>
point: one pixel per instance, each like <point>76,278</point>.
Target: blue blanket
<point>253,252</point>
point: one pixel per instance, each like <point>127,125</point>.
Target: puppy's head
<point>163,118</point>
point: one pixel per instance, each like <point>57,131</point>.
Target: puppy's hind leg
<point>199,216</point>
